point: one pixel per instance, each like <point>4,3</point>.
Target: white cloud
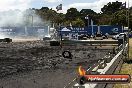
<point>14,4</point>
<point>96,5</point>
<point>20,4</point>
<point>52,1</point>
<point>24,4</point>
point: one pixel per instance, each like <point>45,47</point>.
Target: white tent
<point>65,29</point>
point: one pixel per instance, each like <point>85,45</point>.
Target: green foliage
<point>113,13</point>
<point>67,23</point>
<point>130,25</point>
<point>78,22</point>
<point>111,8</point>
<point>105,19</point>
<point>120,18</point>
<point>44,9</point>
<point>72,14</point>
<point>85,12</point>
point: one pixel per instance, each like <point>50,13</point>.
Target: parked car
<point>83,37</point>
<point>98,36</point>
<point>106,36</point>
<point>119,35</point>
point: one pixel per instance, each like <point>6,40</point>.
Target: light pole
<point>31,20</point>
<point>128,30</point>
<point>87,18</point>
<point>92,27</point>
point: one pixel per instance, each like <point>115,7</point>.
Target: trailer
<point>91,30</point>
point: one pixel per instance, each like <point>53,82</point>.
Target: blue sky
<point>95,5</point>
<point>66,3</point>
<point>40,3</point>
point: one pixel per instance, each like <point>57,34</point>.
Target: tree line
<point>113,13</point>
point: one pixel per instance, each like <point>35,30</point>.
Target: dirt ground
<point>37,65</point>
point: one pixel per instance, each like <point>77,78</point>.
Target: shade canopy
<point>65,29</point>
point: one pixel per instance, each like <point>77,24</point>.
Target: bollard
<point>102,65</point>
<point>107,59</point>
<point>94,71</point>
<point>120,40</point>
<point>114,52</point>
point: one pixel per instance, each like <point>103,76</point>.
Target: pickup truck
<point>119,35</point>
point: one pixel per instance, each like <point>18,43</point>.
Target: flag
<point>123,5</point>
<point>59,7</point>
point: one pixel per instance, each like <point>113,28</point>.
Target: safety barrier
<point>108,67</point>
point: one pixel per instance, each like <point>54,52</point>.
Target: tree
<point>72,14</point>
<point>104,19</point>
<point>67,23</point>
<point>113,13</point>
<point>78,22</point>
<point>113,7</point>
<point>131,10</point>
<point>120,18</point>
<point>85,12</point>
<point>45,9</point>
<point>130,21</point>
<point>59,19</point>
<point>51,15</point>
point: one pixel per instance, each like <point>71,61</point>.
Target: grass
<point>126,69</point>
<point>130,48</point>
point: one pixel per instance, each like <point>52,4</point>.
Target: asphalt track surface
<point>35,64</point>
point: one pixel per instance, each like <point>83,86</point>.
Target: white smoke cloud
<point>20,18</point>
<point>14,4</point>
<point>12,13</point>
<point>11,18</point>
